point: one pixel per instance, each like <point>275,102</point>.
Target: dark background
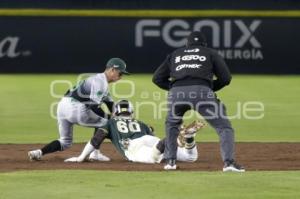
<point>154,4</point>
<point>84,44</point>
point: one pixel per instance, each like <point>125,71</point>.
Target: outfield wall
<point>153,4</point>
<point>75,41</point>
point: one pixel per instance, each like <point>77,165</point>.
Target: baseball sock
<point>190,143</point>
<point>161,145</point>
<point>86,151</point>
<point>51,147</point>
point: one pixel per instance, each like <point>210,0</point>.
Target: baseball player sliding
<point>136,142</point>
<point>81,106</point>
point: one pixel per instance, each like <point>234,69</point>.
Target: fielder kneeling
<point>135,140</point>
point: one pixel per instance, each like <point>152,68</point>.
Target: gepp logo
<point>189,57</point>
<point>174,32</point>
<point>9,48</point>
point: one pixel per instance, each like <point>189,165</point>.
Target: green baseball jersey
<point>122,129</point>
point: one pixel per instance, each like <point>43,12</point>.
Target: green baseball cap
<point>118,64</point>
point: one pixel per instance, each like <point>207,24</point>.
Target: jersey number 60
<point>133,127</point>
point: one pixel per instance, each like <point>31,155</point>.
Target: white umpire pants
<point>141,150</point>
<point>70,112</point>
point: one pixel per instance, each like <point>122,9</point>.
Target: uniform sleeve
<point>221,72</point>
<point>109,102</point>
<point>162,74</point>
<point>98,110</point>
<point>106,129</point>
<point>148,130</point>
<point>97,91</point>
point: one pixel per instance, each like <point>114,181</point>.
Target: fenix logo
<point>173,32</point>
<point>8,47</point>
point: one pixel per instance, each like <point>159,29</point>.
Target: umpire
<point>188,74</point>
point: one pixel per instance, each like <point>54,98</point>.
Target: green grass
<point>25,118</point>
<point>168,185</point>
<point>26,100</point>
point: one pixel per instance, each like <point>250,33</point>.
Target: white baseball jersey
<point>142,150</point>
<point>72,108</point>
<point>133,139</point>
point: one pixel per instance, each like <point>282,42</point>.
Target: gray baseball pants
<point>201,99</point>
<point>70,112</point>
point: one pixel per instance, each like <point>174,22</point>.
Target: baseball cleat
<point>231,166</point>
<point>72,159</point>
<point>96,155</point>
<point>35,155</point>
<point>171,165</point>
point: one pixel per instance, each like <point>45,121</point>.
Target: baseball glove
<point>189,131</point>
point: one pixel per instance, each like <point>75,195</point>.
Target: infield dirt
<point>254,156</point>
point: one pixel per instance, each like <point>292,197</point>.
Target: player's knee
<point>193,158</point>
<point>65,143</point>
<point>173,127</point>
<point>229,129</point>
<point>83,121</point>
<point>192,155</point>
<point>225,130</point>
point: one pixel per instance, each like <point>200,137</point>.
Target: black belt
<point>190,82</point>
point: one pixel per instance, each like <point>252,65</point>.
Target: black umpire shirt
<point>193,65</point>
